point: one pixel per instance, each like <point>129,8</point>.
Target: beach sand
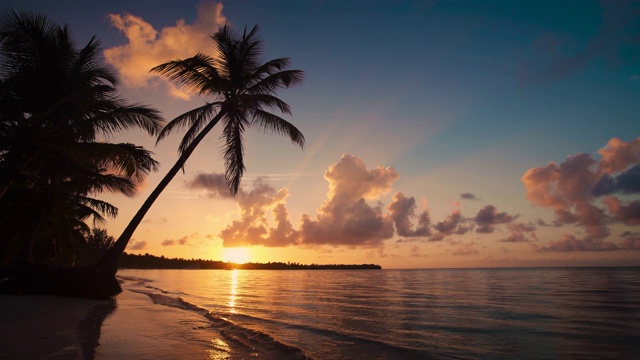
<point>46,327</point>
<point>129,327</point>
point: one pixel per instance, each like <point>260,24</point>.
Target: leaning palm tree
<point>243,89</point>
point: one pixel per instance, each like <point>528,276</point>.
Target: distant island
<point>147,261</point>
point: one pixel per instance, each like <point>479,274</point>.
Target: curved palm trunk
<point>108,263</point>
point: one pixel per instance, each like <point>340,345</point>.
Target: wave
<point>241,341</point>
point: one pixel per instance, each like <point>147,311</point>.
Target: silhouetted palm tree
<point>56,103</point>
<point>242,88</point>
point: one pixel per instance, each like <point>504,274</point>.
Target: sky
<point>438,133</point>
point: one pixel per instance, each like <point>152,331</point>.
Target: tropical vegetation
<point>59,107</point>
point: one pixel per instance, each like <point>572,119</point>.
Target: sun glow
<point>238,255</point>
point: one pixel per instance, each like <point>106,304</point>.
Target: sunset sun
<point>238,255</point>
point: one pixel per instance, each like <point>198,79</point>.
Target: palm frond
<point>275,124</point>
<point>189,119</point>
<point>250,101</point>
<point>273,82</point>
<point>196,74</point>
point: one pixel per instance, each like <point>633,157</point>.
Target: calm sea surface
<point>542,313</point>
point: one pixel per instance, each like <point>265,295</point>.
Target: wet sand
<point>131,326</point>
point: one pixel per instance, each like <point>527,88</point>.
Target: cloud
<point>214,183</point>
<point>253,227</point>
<point>148,47</point>
<point>454,223</point>
<point>626,213</point>
<point>488,217</point>
<point>631,243</point>
<point>182,241</point>
<point>517,233</point>
<point>556,56</point>
<point>138,245</point>
<point>618,155</point>
<point>162,220</point>
<point>573,187</point>
<point>402,210</point>
<point>345,218</point>
<point>569,243</point>
<point>469,196</point>
<point>467,249</point>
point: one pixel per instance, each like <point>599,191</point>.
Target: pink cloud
<point>573,187</point>
<point>402,210</point>
<point>148,47</point>
<point>454,223</point>
<point>345,218</point>
<point>618,155</point>
<point>517,233</point>
<point>253,227</point>
<point>569,243</point>
<point>488,217</point>
<point>626,213</point>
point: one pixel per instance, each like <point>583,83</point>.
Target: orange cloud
<point>618,155</point>
<point>345,218</point>
<point>573,187</point>
<point>148,47</point>
<point>253,227</point>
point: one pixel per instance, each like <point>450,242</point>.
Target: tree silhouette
<point>58,106</point>
<point>242,90</point>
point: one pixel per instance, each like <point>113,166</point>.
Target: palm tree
<point>242,89</point>
<point>56,103</point>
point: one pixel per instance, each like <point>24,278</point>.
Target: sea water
<point>533,313</point>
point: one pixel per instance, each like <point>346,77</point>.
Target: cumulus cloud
<point>454,223</point>
<point>253,227</point>
<point>569,243</point>
<point>520,233</point>
<point>626,213</point>
<point>214,184</point>
<point>618,155</point>
<point>488,217</point>
<point>148,47</point>
<point>572,187</point>
<point>346,218</point>
<point>628,182</point>
<point>138,245</point>
<point>402,210</point>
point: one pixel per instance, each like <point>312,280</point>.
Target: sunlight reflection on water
<point>234,291</point>
<point>396,314</point>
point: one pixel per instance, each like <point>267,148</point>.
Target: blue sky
<point>454,96</point>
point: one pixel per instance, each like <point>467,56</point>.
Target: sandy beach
<point>48,327</point>
<point>130,326</point>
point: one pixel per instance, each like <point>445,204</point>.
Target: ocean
<point>531,313</point>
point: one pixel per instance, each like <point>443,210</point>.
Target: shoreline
<point>131,326</point>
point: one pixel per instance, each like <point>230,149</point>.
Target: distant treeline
<point>147,261</point>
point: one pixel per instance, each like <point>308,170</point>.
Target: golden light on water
<point>238,255</point>
<point>234,291</point>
